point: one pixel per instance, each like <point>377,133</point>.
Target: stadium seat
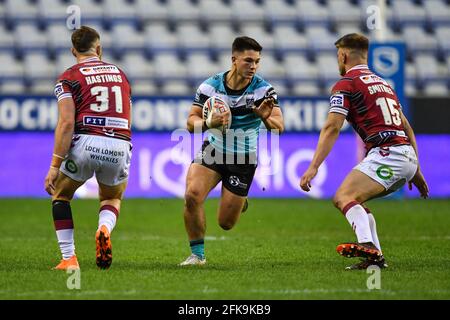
<point>125,38</point>
<point>437,12</point>
<point>287,38</point>
<point>247,11</point>
<point>328,67</point>
<point>37,66</point>
<point>59,37</point>
<point>408,12</point>
<point>271,69</point>
<point>119,10</point>
<point>277,11</point>
<point>9,67</point>
<point>436,89</point>
<point>29,37</point>
<point>428,68</point>
<point>214,11</point>
<point>190,36</point>
<point>158,37</point>
<point>64,60</point>
<point>311,11</point>
<point>443,36</point>
<point>258,32</point>
<point>136,66</point>
<point>52,10</point>
<point>183,10</point>
<point>320,39</point>
<point>418,40</point>
<point>177,87</point>
<point>12,87</point>
<point>306,88</point>
<point>167,65</point>
<point>344,11</point>
<point>299,68</point>
<point>200,67</point>
<point>221,36</point>
<point>92,11</point>
<point>151,11</point>
<point>42,87</point>
<point>6,39</point>
<point>144,87</point>
<point>20,10</point>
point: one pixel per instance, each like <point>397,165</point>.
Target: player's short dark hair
<point>84,38</point>
<point>245,43</point>
<point>353,41</point>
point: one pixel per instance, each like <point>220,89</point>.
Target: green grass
<point>280,249</point>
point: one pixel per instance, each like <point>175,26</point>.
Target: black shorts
<point>237,171</point>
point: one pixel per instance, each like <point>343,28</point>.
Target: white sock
<point>358,219</point>
<point>108,219</point>
<point>66,243</point>
<point>373,230</point>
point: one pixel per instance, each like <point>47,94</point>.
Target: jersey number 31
<point>102,96</point>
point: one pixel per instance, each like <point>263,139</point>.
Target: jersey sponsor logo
<point>99,69</point>
<point>337,100</point>
<point>109,122</point>
<point>372,78</point>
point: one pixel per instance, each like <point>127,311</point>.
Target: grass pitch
<point>280,249</point>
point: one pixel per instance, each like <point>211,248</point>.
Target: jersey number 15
<point>389,110</point>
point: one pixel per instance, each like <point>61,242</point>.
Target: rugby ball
<point>216,105</point>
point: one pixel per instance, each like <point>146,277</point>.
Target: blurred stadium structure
<point>168,47</point>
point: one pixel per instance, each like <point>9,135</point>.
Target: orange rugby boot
<point>104,248</point>
<point>69,264</point>
<point>365,250</point>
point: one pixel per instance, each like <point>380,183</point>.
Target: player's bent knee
<point>226,224</point>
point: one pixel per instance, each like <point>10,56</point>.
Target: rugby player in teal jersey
<point>251,100</point>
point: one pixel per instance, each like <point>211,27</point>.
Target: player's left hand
<point>419,181</point>
<point>264,110</point>
<point>305,181</point>
<point>50,180</point>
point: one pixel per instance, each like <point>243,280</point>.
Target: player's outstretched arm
<point>327,138</point>
<point>63,138</point>
<point>418,180</point>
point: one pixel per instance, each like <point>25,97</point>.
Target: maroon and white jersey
<point>102,97</point>
<point>370,106</point>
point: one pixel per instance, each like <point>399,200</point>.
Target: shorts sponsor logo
<point>71,166</point>
<point>337,100</point>
<point>385,172</point>
<point>235,182</point>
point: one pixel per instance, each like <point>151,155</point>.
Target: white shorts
<point>109,158</point>
<point>391,167</point>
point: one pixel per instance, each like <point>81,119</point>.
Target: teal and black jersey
<point>245,124</point>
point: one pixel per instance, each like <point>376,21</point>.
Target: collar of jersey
<point>90,59</point>
<point>359,66</point>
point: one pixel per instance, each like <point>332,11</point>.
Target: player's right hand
<point>50,180</point>
<point>219,119</point>
<point>419,181</point>
<point>305,181</point>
